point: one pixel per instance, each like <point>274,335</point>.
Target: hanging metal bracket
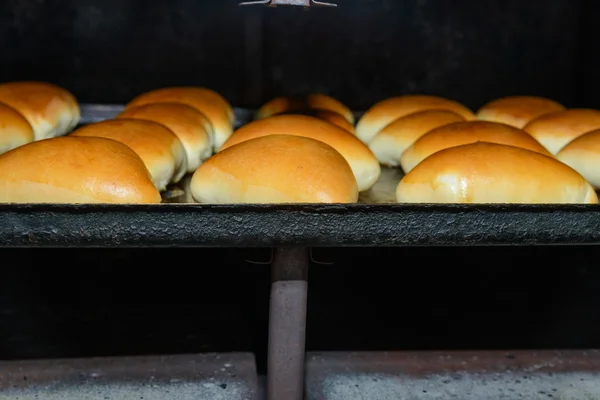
<point>300,3</point>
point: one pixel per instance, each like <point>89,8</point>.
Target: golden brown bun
<point>583,155</point>
<point>275,169</point>
<point>325,115</point>
<point>158,147</point>
<point>386,111</point>
<point>389,144</point>
<point>208,102</point>
<point>50,110</point>
<point>15,131</point>
<point>188,124</point>
<point>365,166</point>
<point>75,170</point>
<point>557,129</point>
<point>459,133</point>
<point>517,111</point>
<point>286,104</point>
<point>493,173</point>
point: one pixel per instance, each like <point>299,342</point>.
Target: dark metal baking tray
<point>374,221</point>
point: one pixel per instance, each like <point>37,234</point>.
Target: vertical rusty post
<point>287,324</point>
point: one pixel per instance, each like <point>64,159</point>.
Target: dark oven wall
<point>364,50</point>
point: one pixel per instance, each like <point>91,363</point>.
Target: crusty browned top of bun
<point>75,170</point>
<point>388,110</point>
<point>555,130</point>
<point>158,147</point>
<point>283,104</point>
<point>191,127</point>
<point>325,115</point>
<point>362,161</point>
<point>275,169</point>
<point>218,111</point>
<point>393,140</point>
<point>583,155</point>
<point>493,173</point>
<point>459,133</point>
<point>518,111</point>
<point>50,110</point>
<point>15,131</point>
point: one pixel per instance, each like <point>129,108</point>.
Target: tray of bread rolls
<point>182,166</point>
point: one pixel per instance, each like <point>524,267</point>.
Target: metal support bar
<point>287,324</point>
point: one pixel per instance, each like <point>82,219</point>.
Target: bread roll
<point>393,140</point>
<point>15,131</point>
<point>557,129</point>
<point>50,110</point>
<point>493,173</point>
<point>459,133</point>
<point>275,169</point>
<point>583,155</point>
<point>325,115</point>
<point>208,102</point>
<point>362,161</point>
<point>158,147</point>
<point>75,170</point>
<point>188,124</point>
<point>517,111</point>
<point>284,104</point>
<point>386,111</point>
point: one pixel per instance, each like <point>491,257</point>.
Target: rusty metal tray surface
<point>374,221</point>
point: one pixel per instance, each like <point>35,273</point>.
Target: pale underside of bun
<point>275,169</point>
<point>365,166</point>
<point>386,111</point>
<point>493,173</point>
<point>460,133</point>
<point>583,155</point>
<point>158,147</point>
<point>314,101</point>
<point>518,111</point>
<point>389,144</point>
<point>15,131</point>
<point>75,170</point>
<point>50,110</point>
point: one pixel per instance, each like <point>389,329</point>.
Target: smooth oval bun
<point>459,133</point>
<point>517,111</point>
<point>158,147</point>
<point>311,101</point>
<point>50,110</point>
<point>188,124</point>
<point>15,131</point>
<point>75,170</point>
<point>365,166</point>
<point>583,155</point>
<point>557,129</point>
<point>493,173</point>
<point>389,144</point>
<point>218,111</point>
<point>386,111</point>
<point>275,169</point>
<point>325,115</point>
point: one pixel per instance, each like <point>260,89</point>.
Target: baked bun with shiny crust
<point>210,103</point>
<point>517,111</point>
<point>75,170</point>
<point>386,111</point>
<point>189,125</point>
<point>389,144</point>
<point>365,166</point>
<point>555,130</point>
<point>583,155</point>
<point>459,133</point>
<point>275,169</point>
<point>50,110</point>
<point>158,147</point>
<point>15,131</point>
<point>326,115</point>
<point>284,104</point>
<point>493,173</point>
